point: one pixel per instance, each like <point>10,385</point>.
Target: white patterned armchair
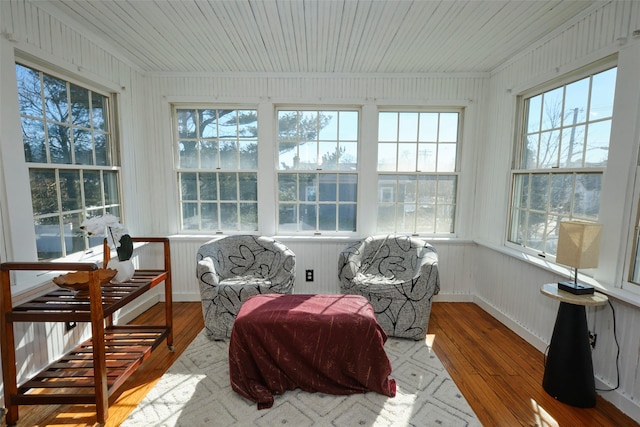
<point>232,269</point>
<point>398,275</point>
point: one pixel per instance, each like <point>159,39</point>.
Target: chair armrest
<point>206,272</point>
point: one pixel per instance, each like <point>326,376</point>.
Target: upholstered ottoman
<point>318,343</point>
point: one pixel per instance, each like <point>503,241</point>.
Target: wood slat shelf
<point>96,368</point>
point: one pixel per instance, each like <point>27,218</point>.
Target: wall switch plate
<point>308,274</point>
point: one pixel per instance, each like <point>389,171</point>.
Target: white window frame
<point>218,170</point>
<point>417,174</point>
<point>18,205</point>
<point>517,169</point>
<point>320,173</point>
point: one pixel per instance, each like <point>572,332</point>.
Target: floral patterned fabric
<point>398,275</point>
<point>232,269</point>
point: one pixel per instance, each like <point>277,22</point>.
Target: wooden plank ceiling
<point>318,36</point>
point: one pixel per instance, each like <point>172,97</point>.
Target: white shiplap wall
<point>454,261</point>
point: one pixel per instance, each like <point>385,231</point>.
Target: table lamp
<point>578,247</point>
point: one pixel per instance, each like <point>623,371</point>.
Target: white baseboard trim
<point>526,335</point>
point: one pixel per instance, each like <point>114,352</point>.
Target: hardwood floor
<point>498,372</point>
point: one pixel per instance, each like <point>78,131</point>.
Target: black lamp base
<point>576,288</point>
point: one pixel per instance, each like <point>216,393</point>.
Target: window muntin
<point>325,142</point>
<point>217,162</point>
<point>564,147</point>
<point>418,171</point>
<point>68,146</point>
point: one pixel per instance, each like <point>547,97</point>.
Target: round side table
<point>568,372</point>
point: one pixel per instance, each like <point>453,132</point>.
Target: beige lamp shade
<point>579,244</point>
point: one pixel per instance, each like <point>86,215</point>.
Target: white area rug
<point>196,392</point>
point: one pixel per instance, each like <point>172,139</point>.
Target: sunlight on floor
<point>430,339</point>
<point>543,419</point>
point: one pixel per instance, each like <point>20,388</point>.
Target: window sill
<point>615,293</point>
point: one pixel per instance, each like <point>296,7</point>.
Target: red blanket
<point>318,343</point>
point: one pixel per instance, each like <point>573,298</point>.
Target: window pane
<point>70,194</point>
<point>48,238</point>
<point>348,126</point>
<point>388,127</point>
<point>408,127</point>
<point>248,186</point>
<point>44,194</point>
<point>248,216</point>
<point>387,157</point>
<point>35,149</point>
<point>288,217</point>
<point>92,189</point>
<point>56,100</point>
<point>29,91</point>
<point>587,196</point>
<point>82,147</point>
<point>60,143</point>
<point>348,190</point>
<point>572,147</point>
<point>208,155</point>
<point>328,188</point>
<point>188,186</point>
<point>598,135</point>
<point>327,217</point>
<point>111,186</point>
<point>229,216</point>
<point>228,186</point>
<point>548,151</point>
<point>209,219</point>
<point>347,217</point>
<point>539,192</point>
<point>575,103</point>
<point>80,107</point>
<point>248,155</point>
<point>99,112</point>
<point>287,187</point>
<point>448,127</point>
<point>190,217</point>
<point>307,216</point>
<point>429,127</point>
<point>186,120</point>
<point>603,91</point>
<point>103,149</point>
<point>534,112</point>
<point>208,186</point>
<point>447,157</point>
<point>552,109</point>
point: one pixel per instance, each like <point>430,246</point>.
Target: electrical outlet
<point>592,339</point>
<point>308,274</point>
<point>69,326</point>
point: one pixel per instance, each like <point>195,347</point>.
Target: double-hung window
<point>217,165</point>
<point>418,171</point>
<point>317,170</point>
<point>68,146</point>
<point>563,150</point>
